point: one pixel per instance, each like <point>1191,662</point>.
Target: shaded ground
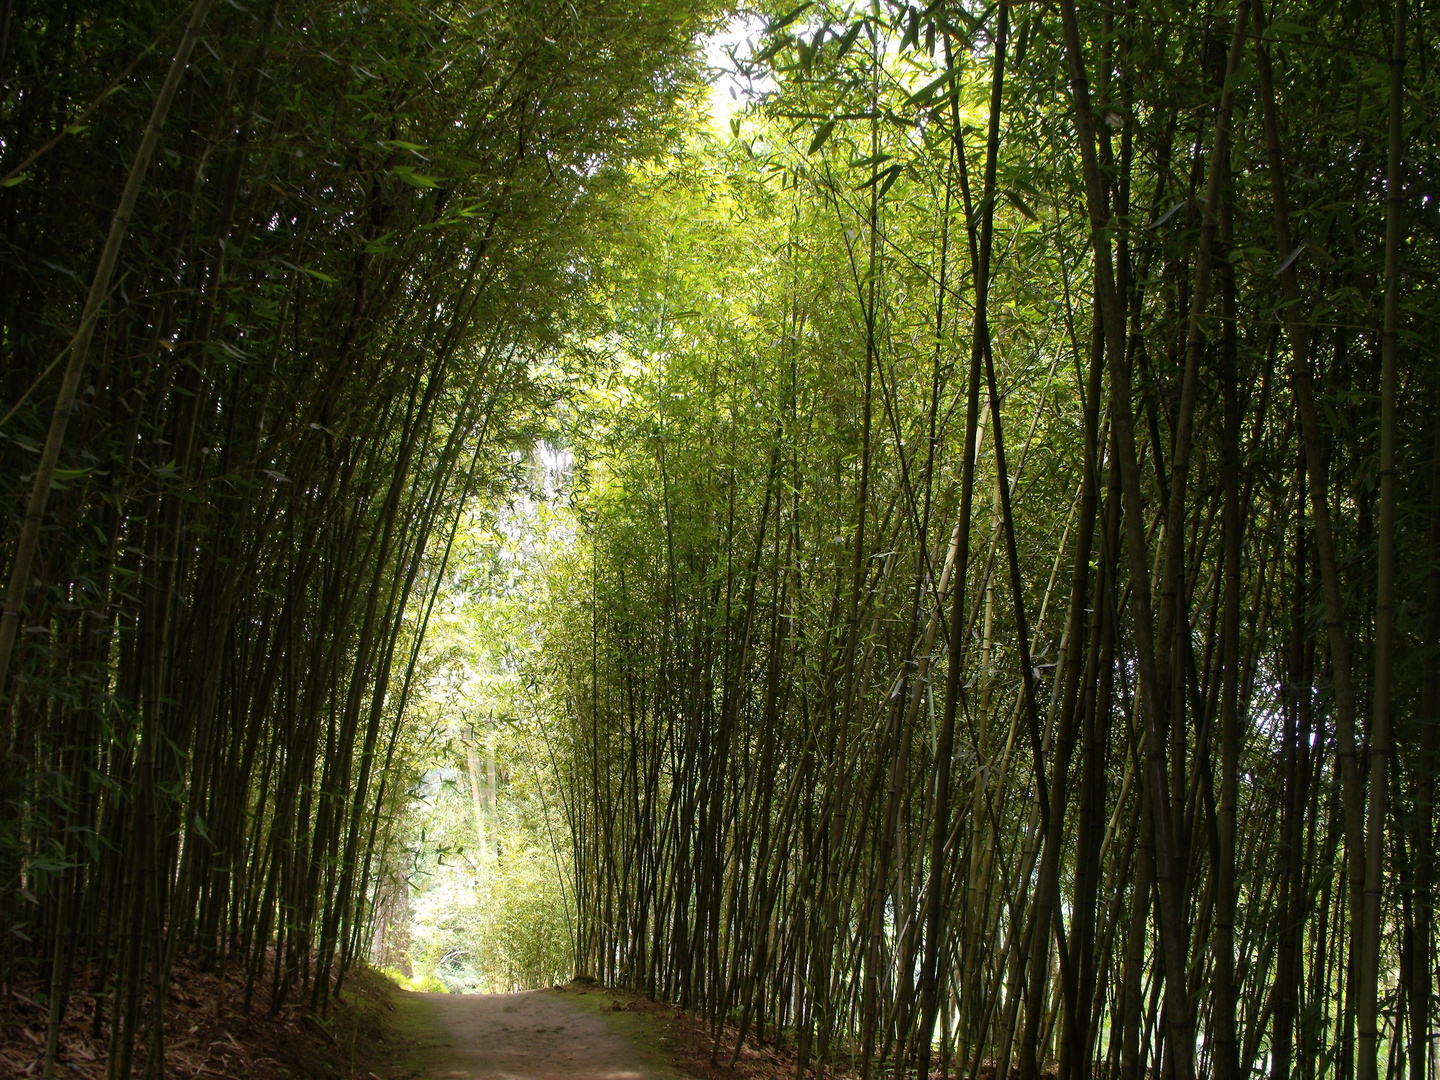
<point>379,1032</point>
<point>207,1032</point>
<point>538,1035</point>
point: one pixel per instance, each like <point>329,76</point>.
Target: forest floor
<point>209,1034</point>
<point>576,1032</point>
<point>537,1035</point>
<point>581,1031</point>
<point>377,1031</point>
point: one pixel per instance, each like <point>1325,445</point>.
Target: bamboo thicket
<point>1003,627</point>
<point>324,247</point>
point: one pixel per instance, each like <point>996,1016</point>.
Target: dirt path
<point>539,1035</point>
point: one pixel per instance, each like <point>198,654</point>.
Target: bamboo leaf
<point>790,17</point>
<point>847,40</point>
<point>1289,259</point>
<point>885,176</point>
<point>771,50</point>
<point>1165,216</point>
<point>930,89</point>
<point>822,135</point>
<point>415,179</point>
<point>1020,204</point>
<point>889,176</point>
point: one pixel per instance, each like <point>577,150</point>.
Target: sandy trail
<point>538,1035</point>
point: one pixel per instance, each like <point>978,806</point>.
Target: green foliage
<point>509,532</point>
<point>474,889</point>
<point>365,227</point>
<point>753,651</point>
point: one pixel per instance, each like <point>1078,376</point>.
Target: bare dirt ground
<point>538,1035</point>
<point>582,1031</point>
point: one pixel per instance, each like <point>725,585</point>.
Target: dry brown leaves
<point>207,1033</point>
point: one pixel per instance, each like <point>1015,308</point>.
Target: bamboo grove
<point>275,278</point>
<point>1003,628</point>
